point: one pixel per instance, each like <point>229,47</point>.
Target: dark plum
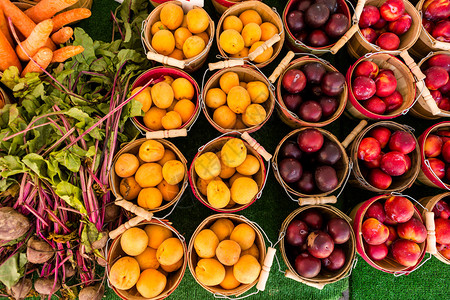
<point>329,154</point>
<point>290,170</point>
<point>329,106</point>
<point>307,265</point>
<point>320,244</point>
<point>304,4</point>
<point>314,72</point>
<point>318,38</point>
<point>336,26</point>
<point>335,261</point>
<point>326,178</point>
<point>294,81</point>
<point>302,36</point>
<point>333,83</point>
<point>290,149</point>
<point>292,101</point>
<point>315,91</point>
<point>310,140</point>
<point>331,4</point>
<point>317,15</point>
<point>313,218</point>
<point>310,111</point>
<point>339,230</point>
<point>296,233</point>
<point>295,21</point>
<point>306,183</point>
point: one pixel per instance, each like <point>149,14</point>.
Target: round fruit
<point>294,81</point>
<point>197,20</point>
<point>310,140</point>
<point>181,35</point>
<point>333,84</point>
<point>124,273</point>
<point>317,15</point>
<point>233,153</point>
<point>157,26</point>
<point>247,269</point>
<point>268,30</point>
<point>173,172</point>
<point>339,230</point>
<point>291,170</point>
<point>244,235</point>
<point>149,175</point>
<point>150,198</point>
<point>171,15</point>
<point>168,191</point>
<point>210,271</point>
<point>170,251</point>
<point>151,283</point>
<point>216,97</point>
<point>126,165</point>
<point>229,281</point>
<point>258,91</point>
<point>250,16</point>
<point>183,89</point>
<point>162,95</point>
<point>232,22</point>
<point>185,108</point>
<point>296,233</point>
<point>231,41</point>
<point>151,151</point>
<point>243,190</point>
<point>153,117</point>
<point>207,166</point>
<point>263,57</point>
<point>144,97</point>
<point>254,115</point>
<point>218,194</point>
<point>307,265</point>
<point>163,42</point>
<point>320,244</point>
<point>156,235</point>
<point>251,34</point>
<point>222,228</point>
<point>129,188</point>
<point>134,241</point>
<point>335,261</point>
<point>228,80</point>
<point>250,166</point>
<point>205,243</point>
<point>193,46</point>
<point>224,117</point>
<point>228,252</point>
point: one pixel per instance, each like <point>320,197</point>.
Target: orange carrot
<point>70,16</point>
<point>64,53</point>
<point>46,9</point>
<point>22,22</point>
<point>62,35</point>
<point>36,40</point>
<point>43,58</point>
<point>7,55</point>
<point>4,27</point>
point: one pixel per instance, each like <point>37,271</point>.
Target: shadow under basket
<point>389,264</point>
<point>173,280</point>
<point>399,183</point>
<point>325,277</point>
<point>193,257</point>
<point>133,148</point>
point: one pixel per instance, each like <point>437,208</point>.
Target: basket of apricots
<point>147,261</point>
<point>149,173</point>
<point>250,26</point>
<point>228,174</point>
<point>237,99</point>
<point>226,254</point>
<point>169,104</point>
<point>178,39</point>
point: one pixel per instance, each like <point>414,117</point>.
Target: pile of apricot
<point>152,254</point>
<point>225,177</point>
<point>237,104</point>
<point>152,176</point>
<point>228,255</point>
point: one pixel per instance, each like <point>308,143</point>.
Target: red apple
<point>394,163</point>
<point>363,88</point>
<point>381,134</point>
<point>386,84</point>
<point>412,230</point>
<point>379,179</point>
<point>366,68</point>
<point>398,209</point>
<point>393,102</point>
<point>391,10</point>
<point>432,146</point>
<point>402,141</point>
<point>369,149</point>
<point>294,81</point>
<point>438,167</point>
<point>401,25</point>
<point>375,105</point>
<point>369,16</point>
<point>440,60</point>
<point>442,230</point>
<point>377,252</point>
<point>406,253</point>
<point>436,77</point>
<point>388,41</point>
<point>441,210</point>
<point>369,34</point>
<point>437,10</point>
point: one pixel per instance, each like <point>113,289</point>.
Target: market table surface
<point>430,281</point>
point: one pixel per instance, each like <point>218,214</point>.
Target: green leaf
<point>83,39</point>
<point>13,269</point>
<point>11,165</point>
<point>71,194</point>
<point>68,160</point>
<point>37,164</point>
<point>89,235</point>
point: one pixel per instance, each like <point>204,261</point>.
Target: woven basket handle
<point>166,60</point>
<point>281,66</point>
<point>265,270</point>
<point>441,45</point>
<point>255,145</point>
<point>164,134</point>
<point>225,64</point>
<point>137,210</point>
<point>354,133</point>
<point>269,43</point>
<point>295,277</point>
<point>317,200</point>
<point>427,98</point>
<point>431,233</point>
<point>344,39</point>
<point>122,228</point>
<point>412,65</point>
<point>358,10</point>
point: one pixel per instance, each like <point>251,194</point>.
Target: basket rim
<point>422,28</point>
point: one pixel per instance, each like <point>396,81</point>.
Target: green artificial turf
<point>431,281</point>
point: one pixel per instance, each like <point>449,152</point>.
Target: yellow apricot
<point>126,165</point>
<point>254,115</point>
<point>171,15</point>
<point>170,251</point>
<point>151,151</point>
<point>133,241</point>
<point>151,283</point>
<point>181,35</point>
<point>163,42</point>
<point>224,117</point>
<point>210,271</point>
<point>202,185</point>
<point>157,234</point>
<point>238,99</point>
<point>129,188</point>
<point>124,273</point>
<point>226,171</point>
<point>193,46</point>
<point>244,235</point>
<point>244,190</point>
<point>234,177</point>
<point>144,97</point>
<point>218,194</point>
<point>222,228</point>
<point>168,191</point>
<point>205,243</point>
<point>247,269</point>
<point>173,267</point>
<point>162,95</point>
<point>157,26</point>
<point>268,30</point>
<point>168,155</point>
<point>177,54</point>
<point>228,252</point>
<point>147,259</point>
<point>250,166</point>
<point>150,198</point>
<point>207,166</point>
<point>250,16</point>
<point>229,282</point>
<point>241,54</point>
<point>231,41</point>
<point>173,172</point>
<point>263,57</point>
<point>172,120</point>
<point>233,152</point>
<point>253,251</point>
<point>149,175</point>
<point>197,20</point>
<point>258,91</point>
<point>232,22</point>
<point>228,80</point>
<point>215,97</point>
<point>168,79</point>
<point>185,108</point>
<point>183,89</point>
<point>204,36</point>
<point>251,34</point>
<point>152,118</point>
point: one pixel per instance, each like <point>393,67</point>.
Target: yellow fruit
<point>157,26</point>
<point>250,166</point>
<point>231,41</point>
<point>241,54</point>
<point>152,118</point>
<point>266,55</point>
<point>162,95</point>
<point>268,30</point>
<point>218,194</point>
<point>173,172</point>
<point>124,273</point>
<point>224,117</point>
<point>215,97</point>
<point>151,283</point>
<point>184,23</point>
<point>163,42</point>
<point>171,15</point>
<point>134,241</point>
<point>204,36</point>
<point>210,271</point>
<point>251,34</point>
<point>126,165</point>
<point>173,267</point>
<point>244,190</point>
<point>149,175</point>
<point>168,191</point>
<point>168,79</point>
<point>234,177</point>
<point>172,106</point>
<point>205,243</point>
<point>232,22</point>
<point>244,235</point>
<point>238,99</point>
<point>226,172</point>
<point>197,20</point>
<point>170,251</point>
<point>147,259</point>
<point>150,198</point>
<point>222,228</point>
<point>202,185</point>
<point>207,166</point>
<point>254,115</point>
<point>177,54</point>
<point>185,108</point>
<point>247,269</point>
<point>181,35</point>
<point>258,91</point>
<point>156,235</point>
<point>144,97</point>
<point>129,188</point>
<point>228,80</point>
<point>228,252</point>
<point>193,46</point>
<point>229,282</point>
<point>250,16</point>
<point>243,84</point>
<point>183,89</point>
<point>233,153</point>
<point>151,151</point>
<point>253,251</point>
<point>172,120</point>
<point>168,155</point>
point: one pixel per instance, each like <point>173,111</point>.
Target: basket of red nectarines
<point>390,233</point>
<point>147,261</point>
<point>317,245</point>
<point>439,244</point>
<point>386,158</point>
<point>385,25</point>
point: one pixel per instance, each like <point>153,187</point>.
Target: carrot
<point>7,55</point>
<point>35,41</point>
<point>46,9</point>
<point>62,35</point>
<point>4,27</point>
<point>22,22</point>
<point>70,16</point>
<point>43,58</point>
<point>64,53</point>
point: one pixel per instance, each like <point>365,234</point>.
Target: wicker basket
<point>193,257</point>
<point>326,277</point>
<point>246,74</point>
<point>222,5</point>
<point>405,85</point>
<point>173,280</point>
<point>426,175</point>
<point>80,4</point>
<point>388,265</point>
<point>190,64</point>
<point>358,45</point>
<point>399,183</point>
<point>267,15</point>
<point>133,147</point>
<point>293,121</point>
<point>428,205</point>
